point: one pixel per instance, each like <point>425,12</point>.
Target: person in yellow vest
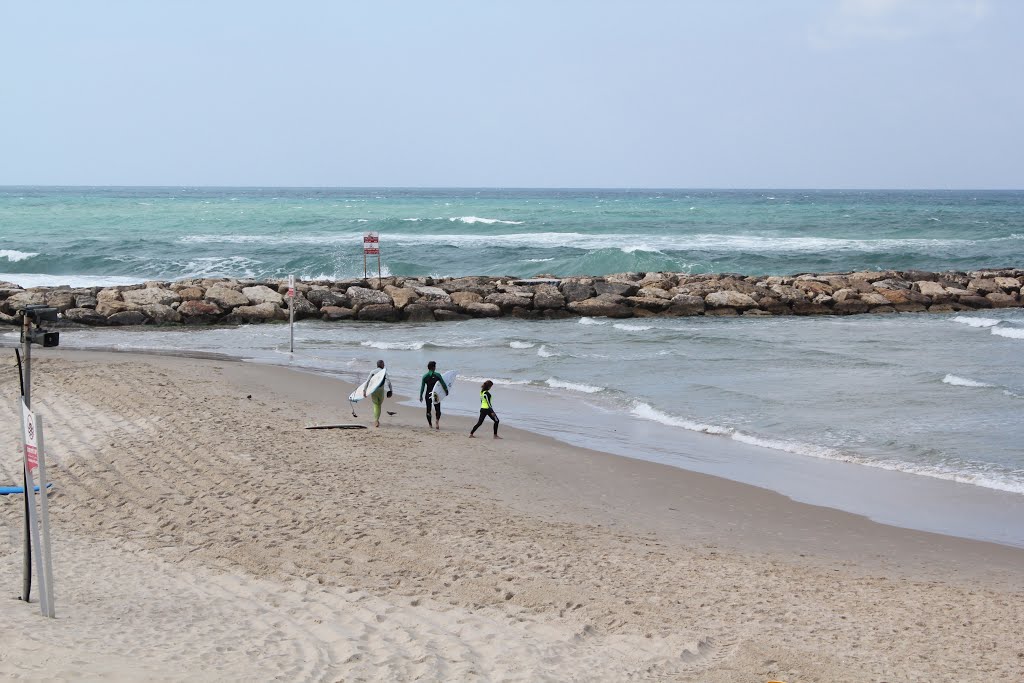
<point>486,409</point>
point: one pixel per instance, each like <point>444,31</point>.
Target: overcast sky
<point>701,94</point>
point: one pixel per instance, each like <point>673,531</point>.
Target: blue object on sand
<point>4,490</point>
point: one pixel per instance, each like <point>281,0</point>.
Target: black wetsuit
<point>429,380</point>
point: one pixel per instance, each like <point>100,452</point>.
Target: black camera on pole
<point>37,314</point>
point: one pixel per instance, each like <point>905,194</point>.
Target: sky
<point>558,93</point>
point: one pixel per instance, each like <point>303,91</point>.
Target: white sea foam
<point>497,380</point>
<point>394,346</point>
<point>1010,332</point>
<point>592,321</point>
<point>544,353</point>
<point>486,221</point>
<point>13,255</point>
<point>647,412</point>
<point>976,322</point>
<point>536,260</point>
<point>521,345</point>
<point>47,280</point>
<point>622,241</point>
<point>963,382</point>
<point>983,479</point>
<point>632,328</point>
<point>572,386</point>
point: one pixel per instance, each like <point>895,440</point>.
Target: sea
<point>911,419</point>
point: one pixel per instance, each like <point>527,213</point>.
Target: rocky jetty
<point>225,301</point>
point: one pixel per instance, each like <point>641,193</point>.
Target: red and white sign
<point>291,286</point>
<point>31,440</point>
<point>371,243</point>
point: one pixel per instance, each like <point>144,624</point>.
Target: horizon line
<point>525,187</point>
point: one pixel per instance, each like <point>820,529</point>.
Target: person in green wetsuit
<point>377,397</point>
<point>429,380</point>
<point>486,409</point>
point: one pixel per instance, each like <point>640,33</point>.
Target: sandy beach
<point>202,534</point>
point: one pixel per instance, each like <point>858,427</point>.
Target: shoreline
<point>397,553</point>
<point>895,498</point>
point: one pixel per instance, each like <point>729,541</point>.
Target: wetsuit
<point>429,380</point>
<point>486,411</point>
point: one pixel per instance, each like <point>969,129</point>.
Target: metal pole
<point>26,567</point>
<point>44,513</point>
<point>378,265</point>
<point>291,314</point>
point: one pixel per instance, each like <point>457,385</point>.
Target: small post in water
<point>291,314</point>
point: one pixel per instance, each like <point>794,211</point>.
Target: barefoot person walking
<point>486,409</point>
<point>429,380</point>
<point>377,396</point>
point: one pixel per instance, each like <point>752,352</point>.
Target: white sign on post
<point>39,521</point>
<point>371,243</point>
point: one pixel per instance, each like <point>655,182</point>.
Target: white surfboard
<point>369,386</point>
<point>449,379</point>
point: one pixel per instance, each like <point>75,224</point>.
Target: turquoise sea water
<point>924,401</point>
<point>170,233</point>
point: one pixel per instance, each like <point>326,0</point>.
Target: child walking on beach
<point>486,410</point>
<point>429,380</point>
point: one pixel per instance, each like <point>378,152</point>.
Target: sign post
<point>39,520</point>
<point>371,247</point>
<point>291,313</point>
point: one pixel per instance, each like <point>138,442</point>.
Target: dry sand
<point>201,535</point>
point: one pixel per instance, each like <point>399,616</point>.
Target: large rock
<point>463,299</point>
<point>109,307</point>
<point>729,299</point>
<point>598,307</point>
<point>984,285</point>
<point>321,297</point>
<point>479,285</point>
<point>1001,300</point>
<point>85,316</point>
<point>361,296</point>
<point>29,297</point>
<point>432,294</point>
<point>337,313</point>
<point>150,296</point>
<point>483,310</point>
<point>378,312</point>
<point>61,299</point>
<point>403,296</point>
<point>259,313</point>
<point>192,293</point>
<point>931,289</point>
<point>128,318</point>
<point>975,301</point>
<point>193,312</point>
<point>1009,284</point>
<point>578,290</point>
<point>225,297</point>
<point>788,294</point>
<point>303,307</point>
<point>850,307</point>
<point>547,296</point>
<point>261,294</point>
<point>507,301</point>
<point>161,314</point>
<point>685,304</point>
<point>648,303</point>
<point>874,299</point>
<point>654,292</point>
<point>416,313</point>
<point>613,287</point>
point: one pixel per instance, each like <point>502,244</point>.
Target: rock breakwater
<point>623,295</point>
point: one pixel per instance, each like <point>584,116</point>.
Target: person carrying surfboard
<point>486,409</point>
<point>377,396</point>
<point>428,382</point>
